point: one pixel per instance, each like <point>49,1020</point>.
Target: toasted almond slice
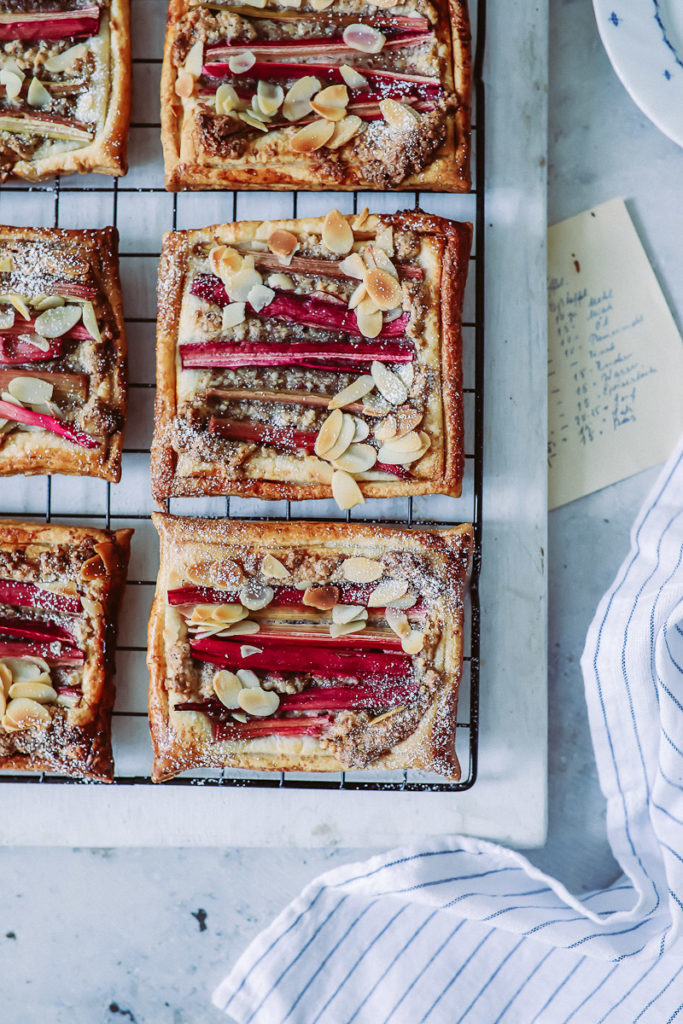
<point>362,430</point>
<point>369,320</point>
<point>342,613</point>
<point>27,669</point>
<point>62,61</point>
<point>273,567</point>
<point>7,317</point>
<point>184,84</point>
<point>297,101</point>
<point>245,628</point>
<point>353,78</point>
<point>328,112</point>
<point>358,458</point>
<point>410,442</point>
<point>328,434</point>
<point>248,678</point>
<point>386,429</point>
<point>90,320</point>
<point>389,385</point>
<point>359,294</point>
<point>260,296</point>
<point>30,390</point>
<point>343,441</point>
<point>345,490</point>
<point>25,713</point>
<point>270,97</point>
<point>334,98</point>
<point>37,95</point>
<point>240,284</point>
<point>409,601</point>
<point>260,703</point>
<point>337,235</point>
<point>282,242</point>
<point>361,570</point>
<point>321,5</point>
<point>406,419</point>
<point>256,596</point>
<point>227,687</point>
<point>344,628</point>
<point>109,555</point>
<point>383,289</point>
<point>283,281</point>
<point>386,592</point>
<point>246,650</point>
<point>364,38</point>
<point>322,598</point>
<point>401,707</point>
<point>3,703</point>
<point>224,260</point>
<point>55,322</point>
<point>381,261</point>
<point>344,131</point>
<point>12,80</point>
<point>43,693</point>
<point>19,304</point>
<point>312,136</point>
<point>241,62</point>
<point>399,115</point>
<point>384,238</point>
<point>413,642</point>
<point>226,99</point>
<point>353,264</point>
<point>5,678</point>
<point>36,340</point>
<point>195,59</point>
<point>233,315</point>
<point>225,614</point>
<point>304,584</point>
<point>253,121</point>
<point>353,392</point>
<point>398,621</point>
<point>393,455</point>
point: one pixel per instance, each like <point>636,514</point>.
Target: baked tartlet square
<point>306,646</point>
<point>321,95</point>
<point>63,387</point>
<point>60,589</point>
<point>311,358</point>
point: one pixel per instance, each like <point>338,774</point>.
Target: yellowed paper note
<point>615,357</point>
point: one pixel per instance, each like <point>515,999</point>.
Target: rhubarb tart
<point>60,588</point>
<point>313,94</point>
<point>62,352</point>
<point>311,358</point>
<point>64,87</point>
<point>306,646</point>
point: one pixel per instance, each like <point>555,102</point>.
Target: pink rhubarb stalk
<point>308,47</point>
<point>269,70</point>
<point>285,597</point>
<point>305,726</point>
<point>38,25</point>
<point>348,698</point>
<point>64,384</point>
<point>32,630</point>
<point>332,355</point>
<point>19,327</point>
<point>29,595</point>
<point>302,657</point>
<point>55,653</point>
<point>14,351</point>
<point>276,634</point>
<point>18,414</point>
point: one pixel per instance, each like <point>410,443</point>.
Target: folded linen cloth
<point>462,930</point>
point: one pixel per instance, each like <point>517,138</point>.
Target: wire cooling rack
<point>141,209</point>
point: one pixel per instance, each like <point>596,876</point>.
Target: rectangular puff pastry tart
<point>306,646</point>
<point>60,588</point>
<point>311,358</point>
<point>62,352</point>
<point>315,94</point>
<point>64,87</point>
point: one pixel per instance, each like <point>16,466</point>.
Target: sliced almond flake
<point>369,320</point>
<point>227,99</point>
<point>323,598</point>
<point>353,264</point>
<point>413,642</point>
<point>342,613</point>
<point>353,392</point>
<point>406,372</point>
<point>362,430</point>
<point>62,61</point>
<point>7,319</point>
<point>330,113</point>
<point>5,678</point>
<point>399,116</point>
<point>382,260</point>
<point>353,78</point>
<point>320,5</point>
<point>386,592</point>
<point>195,59</point>
<point>282,281</point>
<point>273,567</point>
<point>393,314</point>
<point>241,62</point>
<point>345,490</point>
<point>260,296</point>
<point>226,613</point>
<point>312,136</point>
<point>282,242</point>
<point>359,294</point>
<point>358,458</point>
<point>386,429</point>
<point>233,315</point>
<point>389,385</point>
<point>398,621</point>
<point>248,678</point>
<point>256,596</point>
<point>227,686</point>
<point>241,283</point>
<point>383,289</point>
<point>90,320</point>
<point>361,569</point>
<point>37,340</point>
<point>304,584</point>
<point>392,455</point>
<point>337,235</point>
<point>245,628</point>
<point>260,703</point>
<point>40,692</point>
<point>12,81</point>
<point>344,628</point>
<point>364,38</point>
<point>225,261</point>
<point>48,302</point>
<point>246,650</point>
<point>360,218</point>
<point>27,669</point>
<point>344,131</point>
<point>343,441</point>
<point>401,707</point>
<point>410,442</point>
<point>328,434</point>
<point>37,95</point>
<point>19,304</point>
<point>24,713</point>
<point>257,111</point>
<point>184,84</point>
<point>409,601</point>
<point>3,703</point>
<point>252,121</point>
<point>332,96</point>
<point>30,390</point>
<point>53,323</point>
<point>297,100</point>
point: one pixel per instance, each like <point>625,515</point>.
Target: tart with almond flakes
<point>306,646</point>
<point>311,358</point>
<point>64,87</point>
<point>62,353</point>
<point>313,94</point>
<point>60,589</point>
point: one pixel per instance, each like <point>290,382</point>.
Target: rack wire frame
<point>409,780</point>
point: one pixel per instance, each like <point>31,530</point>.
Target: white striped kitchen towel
<point>460,930</point>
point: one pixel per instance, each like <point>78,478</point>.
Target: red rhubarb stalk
<point>269,70</point>
<point>78,332</point>
<point>56,653</point>
<point>28,595</point>
<point>285,597</point>
<point>64,384</point>
<point>348,698</point>
<point>307,47</point>
<point>304,726</point>
<point>18,414</point>
<point>298,309</point>
<point>32,630</point>
<point>14,351</point>
<point>283,634</point>
<point>323,355</point>
<point>50,24</point>
<point>320,661</point>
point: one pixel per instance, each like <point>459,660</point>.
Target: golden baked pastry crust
<point>78,740</point>
<point>443,255</point>
<point>107,153</point>
<point>210,552</point>
<point>274,164</point>
<point>44,452</point>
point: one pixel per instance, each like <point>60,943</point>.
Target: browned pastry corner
<point>283,646</point>
<point>324,95</point>
<point>60,590</point>
<point>66,87</point>
<point>311,358</point>
<point>63,385</point>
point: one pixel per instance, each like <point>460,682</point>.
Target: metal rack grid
<point>469,728</point>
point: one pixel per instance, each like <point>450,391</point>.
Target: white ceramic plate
<point>644,41</point>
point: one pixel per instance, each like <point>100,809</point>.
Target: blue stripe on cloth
<point>586,999</point>
<point>417,977</point>
<point>455,977</point>
<point>658,996</point>
<point>489,980</point>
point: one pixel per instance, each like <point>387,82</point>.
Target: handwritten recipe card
<point>615,357</point>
